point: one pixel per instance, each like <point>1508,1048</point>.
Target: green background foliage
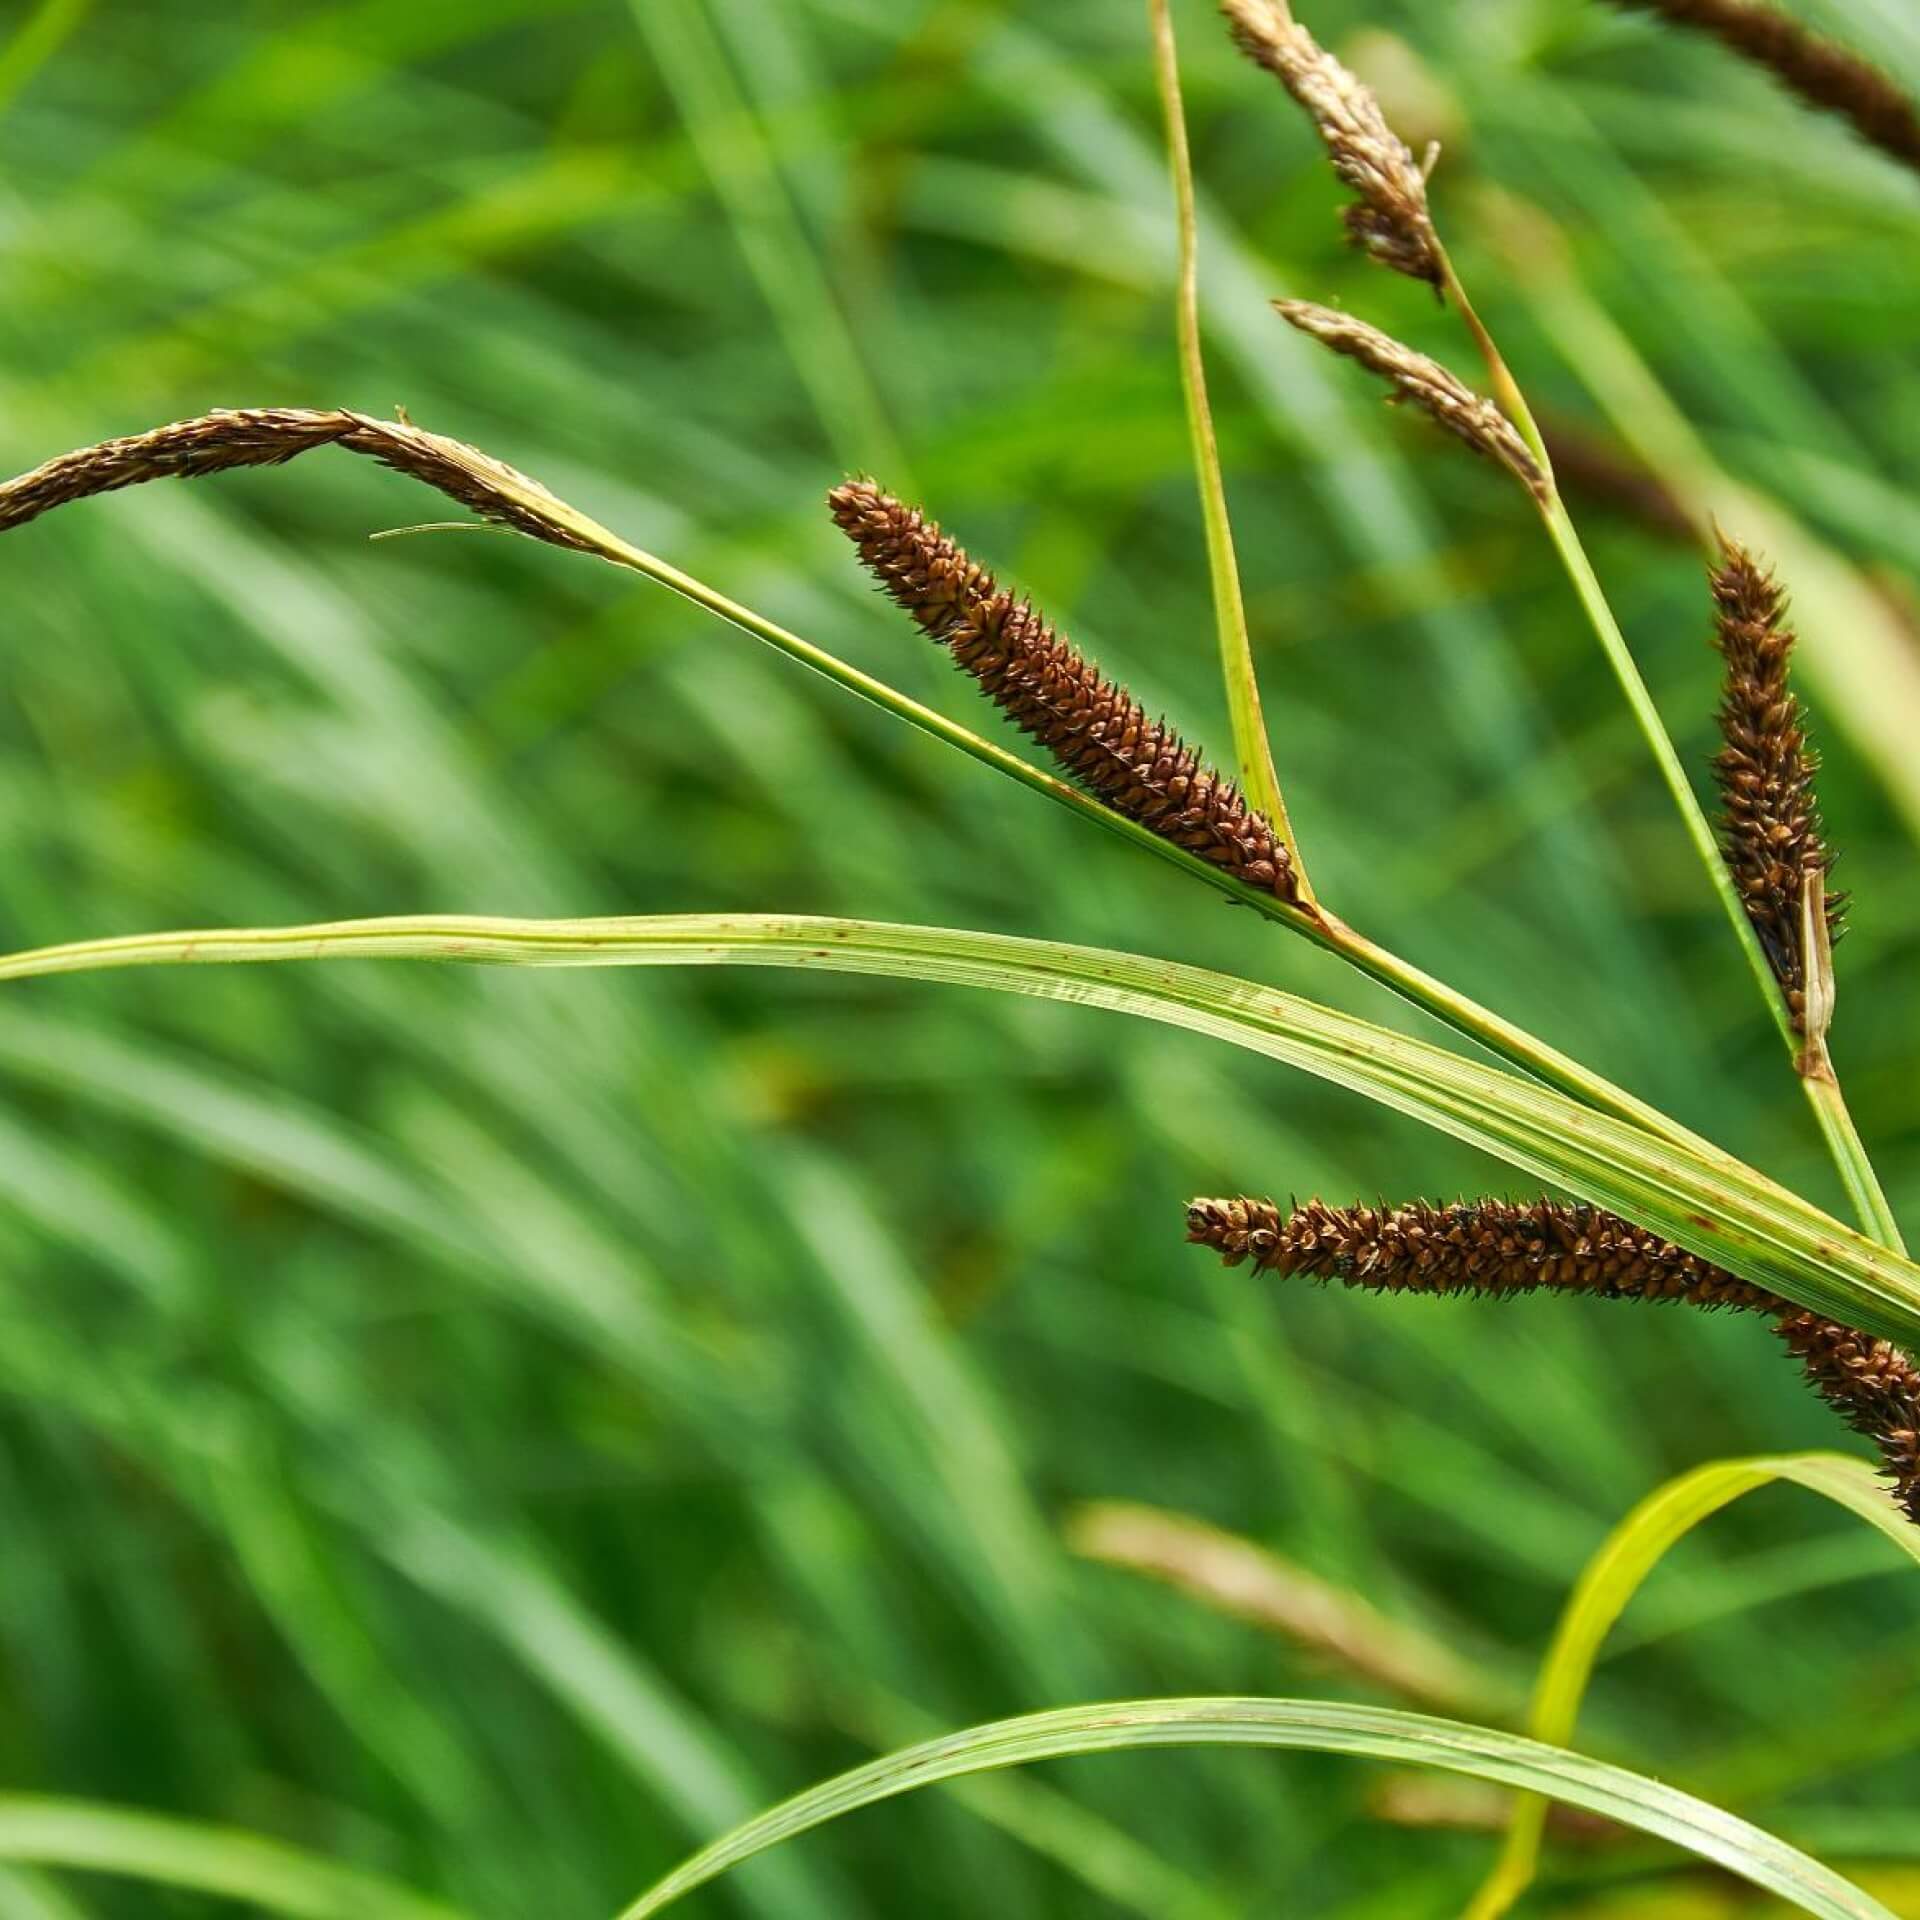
<point>499,1428</point>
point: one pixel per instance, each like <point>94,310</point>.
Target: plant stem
<point>1253,750</point>
<point>1849,1152</point>
<point>1465,1016</point>
<point>1821,1088</point>
<point>506,497</point>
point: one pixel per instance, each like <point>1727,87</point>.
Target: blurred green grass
<point>495,1429</point>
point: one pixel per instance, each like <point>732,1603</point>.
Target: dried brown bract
<point>1426,383</point>
<point>1497,1248</point>
<point>1096,731</point>
<point>1483,1247</point>
<point>1392,221</point>
<point>1770,827</point>
<point>266,436</point>
<point>1821,71</point>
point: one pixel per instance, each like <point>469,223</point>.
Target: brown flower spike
<point>1486,1246</point>
<point>1498,1248</point>
<point>1431,387</point>
<point>266,436</point>
<point>1771,834</point>
<point>1822,72</point>
<point>1391,222</point>
<point>1096,731</point>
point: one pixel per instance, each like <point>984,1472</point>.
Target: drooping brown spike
<point>266,436</point>
<point>1391,222</point>
<point>1497,1248</point>
<point>1492,1247</point>
<point>1434,389</point>
<point>1771,833</point>
<point>1096,731</point>
<point>1823,73</point>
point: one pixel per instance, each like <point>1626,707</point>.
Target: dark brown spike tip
<point>1770,829</point>
<point>1822,72</point>
<point>1096,731</point>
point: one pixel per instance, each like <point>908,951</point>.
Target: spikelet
<point>1771,834</point>
<point>1431,387</point>
<point>1391,222</point>
<point>1497,1248</point>
<point>1096,731</point>
<point>1823,73</point>
<point>1492,1247</point>
<point>266,436</point>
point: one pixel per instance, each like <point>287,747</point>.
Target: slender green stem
<point>1506,389</point>
<point>1849,1152</point>
<point>1821,1089</point>
<point>1817,1081</point>
<point>1593,599</point>
<point>1466,1016</point>
<point>510,497</point>
<point>1253,750</point>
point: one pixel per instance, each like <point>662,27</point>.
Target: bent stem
<point>1817,1080</point>
<point>1252,747</point>
<point>503,496</point>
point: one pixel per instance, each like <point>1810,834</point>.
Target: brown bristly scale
<point>1770,829</point>
<point>1498,1248</point>
<point>1823,73</point>
<point>1392,222</point>
<point>1097,733</point>
<point>1436,390</point>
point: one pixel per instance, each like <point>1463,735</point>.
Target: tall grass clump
<point>1614,1197</point>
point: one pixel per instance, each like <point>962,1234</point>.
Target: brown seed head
<point>1492,1247</point>
<point>1391,222</point>
<point>264,437</point>
<point>1469,416</point>
<point>1771,834</point>
<point>1822,72</point>
<point>1094,729</point>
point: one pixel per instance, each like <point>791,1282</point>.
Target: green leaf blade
<point>1707,1202</point>
<point>1361,1732</point>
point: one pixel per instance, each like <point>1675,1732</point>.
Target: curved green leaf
<point>1616,1573</point>
<point>1706,1201</point>
<point>1319,1726</point>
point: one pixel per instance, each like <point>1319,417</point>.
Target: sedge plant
<point>1641,1208</point>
